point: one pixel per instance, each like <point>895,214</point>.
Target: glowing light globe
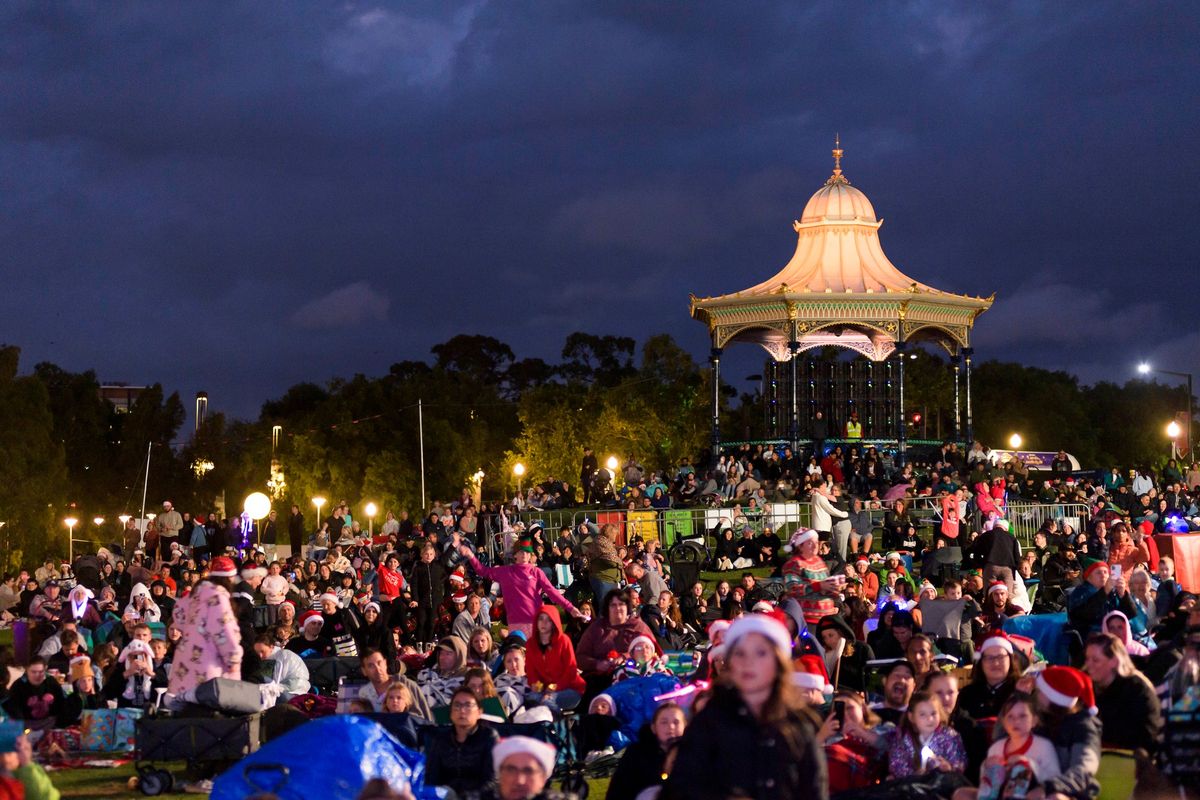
<point>257,505</point>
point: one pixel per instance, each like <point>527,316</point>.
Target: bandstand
<point>840,290</point>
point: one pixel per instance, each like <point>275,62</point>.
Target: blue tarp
<point>1046,630</point>
<point>331,758</point>
<point>635,700</point>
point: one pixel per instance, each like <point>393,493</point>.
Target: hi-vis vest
<point>853,430</point>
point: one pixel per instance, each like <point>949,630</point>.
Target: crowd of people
<point>875,647</point>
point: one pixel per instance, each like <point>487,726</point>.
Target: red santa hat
<point>717,627</point>
<point>459,598</point>
<point>997,639</point>
<point>774,631</point>
<point>312,615</point>
<point>222,567</point>
<point>763,607</point>
<point>799,537</point>
<point>810,673</point>
<point>543,753</point>
<point>1065,686</point>
<point>458,577</point>
<point>996,586</point>
<point>646,640</point>
<point>330,596</point>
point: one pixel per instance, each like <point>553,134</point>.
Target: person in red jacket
<point>550,667</point>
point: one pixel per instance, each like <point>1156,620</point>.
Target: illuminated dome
<point>838,201</point>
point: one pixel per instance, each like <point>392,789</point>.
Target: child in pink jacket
<point>522,585</point>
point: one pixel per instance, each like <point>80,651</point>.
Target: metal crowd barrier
<point>670,526</point>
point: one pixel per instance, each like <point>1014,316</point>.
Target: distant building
<point>121,395</point>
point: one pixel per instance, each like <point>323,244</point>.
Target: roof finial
<point>837,176</point>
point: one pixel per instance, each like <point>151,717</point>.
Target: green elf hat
<point>524,544</point>
<point>1090,565</point>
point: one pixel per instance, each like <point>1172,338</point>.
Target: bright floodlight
<point>124,518</point>
<point>257,505</point>
<point>611,463</point>
<point>70,522</point>
<point>318,501</point>
<point>1014,441</point>
<point>518,469</point>
<point>1144,368</point>
<point>1173,429</point>
<point>98,520</point>
<point>372,509</point>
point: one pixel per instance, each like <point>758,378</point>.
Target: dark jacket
<point>726,753</point>
<point>640,767</point>
<point>428,583</point>
<point>1077,742</point>
<point>1130,715</point>
<point>979,701</point>
<point>998,547</point>
<point>463,766</point>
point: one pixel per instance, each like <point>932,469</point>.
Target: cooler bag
<point>225,694</point>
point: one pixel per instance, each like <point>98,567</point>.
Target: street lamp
<point>98,520</point>
<point>371,510</point>
<point>1144,368</point>
<point>1173,431</point>
<point>1015,441</point>
<point>124,519</point>
<point>318,501</point>
<point>518,470</point>
<point>612,464</point>
<point>71,522</point>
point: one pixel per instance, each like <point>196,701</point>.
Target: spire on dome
<point>837,176</point>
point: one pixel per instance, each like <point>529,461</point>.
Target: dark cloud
<point>178,181</point>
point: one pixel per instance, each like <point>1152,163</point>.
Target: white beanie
<point>763,625</point>
<point>544,753</point>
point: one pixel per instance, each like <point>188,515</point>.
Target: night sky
<point>240,196</point>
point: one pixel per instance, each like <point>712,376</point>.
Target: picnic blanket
<point>1046,630</point>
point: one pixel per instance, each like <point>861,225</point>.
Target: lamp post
<point>319,502</point>
<point>371,510</point>
<point>518,471</point>
<point>71,522</point>
<point>1144,368</point>
<point>97,521</point>
<point>1015,441</point>
<point>1173,431</point>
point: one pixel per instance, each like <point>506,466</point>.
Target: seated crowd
<point>843,669</point>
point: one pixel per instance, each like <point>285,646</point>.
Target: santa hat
<point>774,631</point>
<point>363,595</point>
<point>1065,686</point>
<point>763,607</point>
<point>799,537</point>
<point>612,704</point>
<point>996,639</point>
<point>312,615</point>
<point>371,605</point>
<point>458,577</point>
<point>863,557</point>
<point>810,673</point>
<point>253,572</point>
<point>717,627</point>
<point>641,640</point>
<point>222,567</point>
<point>927,586</point>
<point>996,586</point>
<point>892,554</point>
<point>514,745</point>
<point>459,597</point>
<point>330,596</point>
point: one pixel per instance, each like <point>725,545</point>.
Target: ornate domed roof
<point>837,200</point>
